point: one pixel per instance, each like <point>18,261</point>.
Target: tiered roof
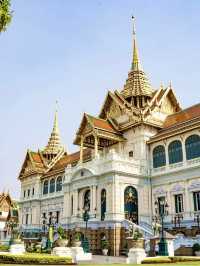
<point>137,83</point>
<point>54,145</point>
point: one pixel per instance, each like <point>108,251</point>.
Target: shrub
<point>61,233</point>
<point>137,234</point>
<point>196,247</point>
<point>4,248</point>
<point>34,259</point>
<point>104,244</point>
<point>157,260</point>
<point>77,236</point>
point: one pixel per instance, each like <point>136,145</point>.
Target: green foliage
<point>61,232</point>
<point>4,248</point>
<point>196,247</point>
<point>137,234</point>
<point>5,14</point>
<point>37,259</point>
<point>175,259</point>
<point>77,236</point>
<point>104,244</point>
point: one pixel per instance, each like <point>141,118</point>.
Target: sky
<point>73,52</point>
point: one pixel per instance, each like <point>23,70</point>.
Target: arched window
<point>86,203</point>
<point>103,204</point>
<point>45,187</point>
<point>131,204</point>
<point>52,186</point>
<point>175,152</point>
<point>159,157</point>
<point>59,184</point>
<point>192,146</point>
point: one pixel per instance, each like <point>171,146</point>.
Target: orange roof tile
<point>101,123</point>
<point>182,116</point>
<point>70,159</point>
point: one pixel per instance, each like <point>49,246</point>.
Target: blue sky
<point>73,52</point>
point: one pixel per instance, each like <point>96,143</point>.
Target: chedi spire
<point>54,145</point>
<point>137,89</point>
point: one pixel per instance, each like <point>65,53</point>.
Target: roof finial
<point>55,125</point>
<point>136,62</point>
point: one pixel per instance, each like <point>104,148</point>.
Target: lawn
<point>162,264</point>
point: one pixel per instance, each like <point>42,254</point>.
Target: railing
<point>147,233</point>
<point>183,219</point>
<point>111,161</point>
<point>176,166</point>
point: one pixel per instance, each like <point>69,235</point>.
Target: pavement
<point>100,259</point>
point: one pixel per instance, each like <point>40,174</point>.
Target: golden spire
<point>137,83</point>
<point>135,62</point>
<point>54,145</point>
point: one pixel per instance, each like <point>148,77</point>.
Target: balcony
<point>170,168</point>
<point>110,162</point>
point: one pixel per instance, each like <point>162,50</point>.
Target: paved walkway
<point>100,259</point>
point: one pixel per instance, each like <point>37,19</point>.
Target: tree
<point>5,14</point>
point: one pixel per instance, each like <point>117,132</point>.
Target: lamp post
<point>86,217</point>
<point>49,228</point>
<point>11,224</point>
<point>161,209</point>
<point>197,219</point>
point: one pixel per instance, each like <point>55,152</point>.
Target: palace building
<point>8,217</point>
<point>142,148</point>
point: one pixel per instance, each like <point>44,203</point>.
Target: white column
<point>93,191</point>
<point>67,205</point>
<point>187,204</point>
<point>96,146</point>
<point>81,150</point>
<point>75,202</point>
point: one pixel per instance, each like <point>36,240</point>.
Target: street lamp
<point>161,209</point>
<point>197,219</point>
<point>86,217</point>
<point>11,224</point>
<point>48,227</point>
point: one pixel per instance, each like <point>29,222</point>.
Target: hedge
<point>34,259</point>
<point>174,259</point>
<point>4,248</point>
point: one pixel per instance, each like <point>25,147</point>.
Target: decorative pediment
<point>195,185</point>
<point>33,163</point>
<point>27,165</point>
<point>163,103</point>
<point>112,107</point>
<point>82,174</point>
<point>177,188</point>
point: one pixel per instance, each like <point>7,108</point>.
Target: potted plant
<point>62,240</point>
<point>136,240</point>
<point>196,249</point>
<point>104,246</point>
<point>77,239</point>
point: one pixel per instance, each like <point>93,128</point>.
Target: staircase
<point>145,228</point>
